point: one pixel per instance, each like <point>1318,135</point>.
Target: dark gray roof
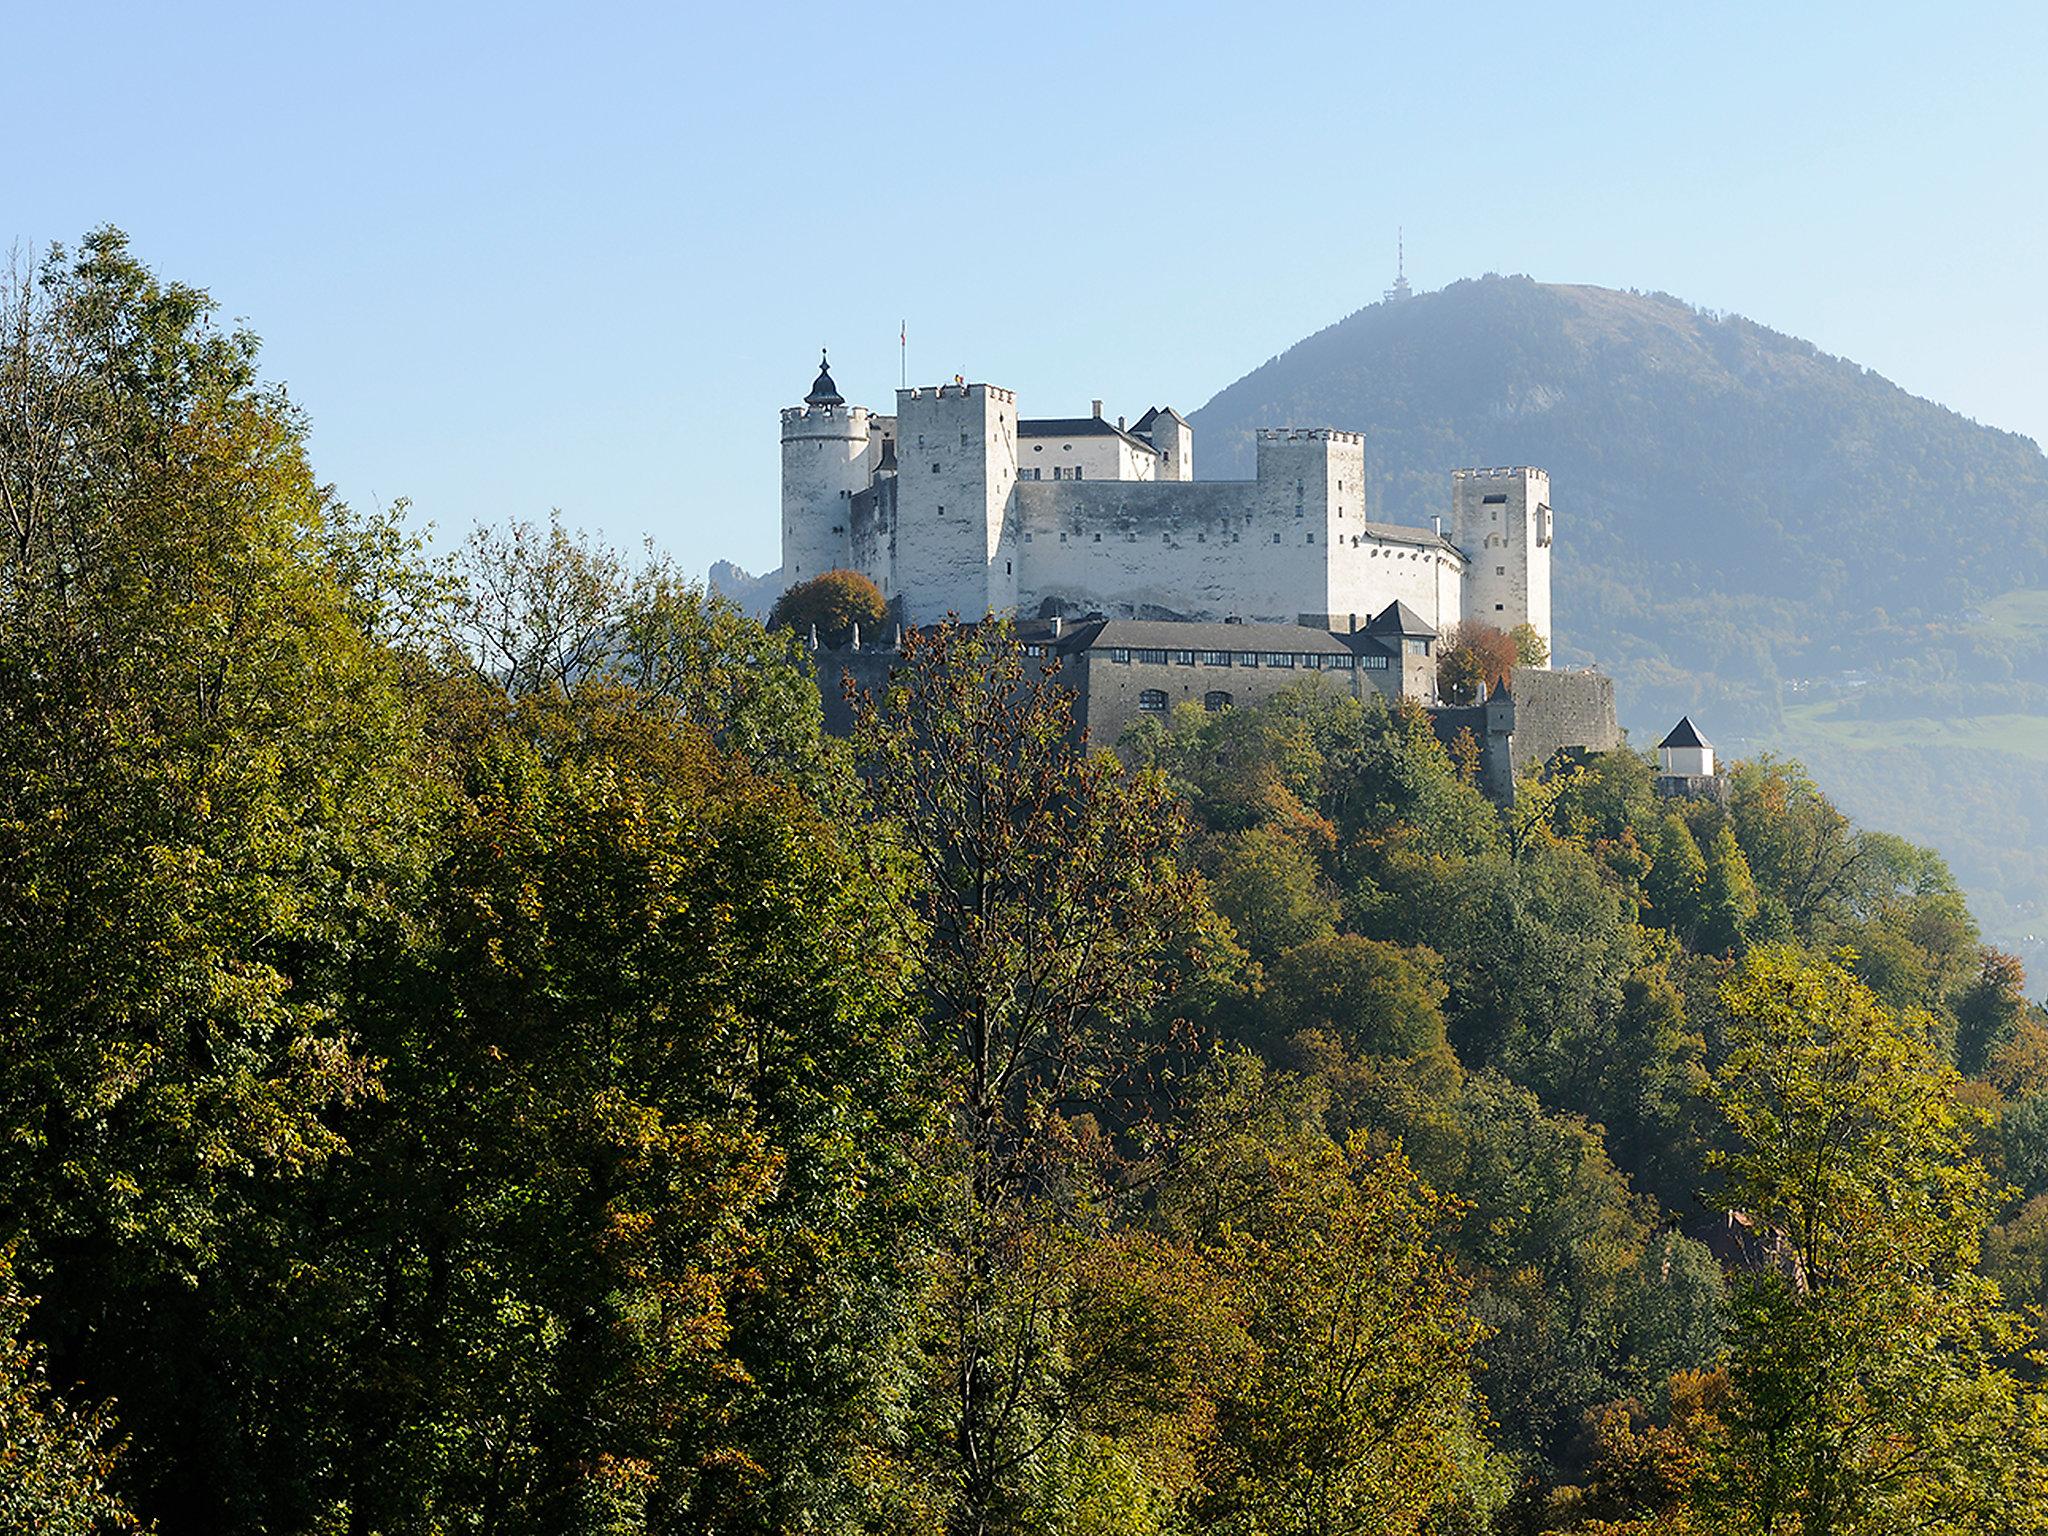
<point>1397,618</point>
<point>824,391</point>
<point>1079,426</point>
<point>1685,734</point>
<point>1192,635</point>
<point>1153,415</point>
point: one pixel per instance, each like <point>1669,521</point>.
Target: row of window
<point>1307,661</point>
<point>1153,700</point>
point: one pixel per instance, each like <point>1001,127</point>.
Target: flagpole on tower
<point>903,348</point>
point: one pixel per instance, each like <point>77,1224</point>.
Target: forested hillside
<point>477,1057</point>
<point>1779,541</point>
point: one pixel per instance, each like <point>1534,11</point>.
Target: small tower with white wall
<point>1685,765</point>
<point>826,462</point>
<point>1501,520</point>
<point>956,484</point>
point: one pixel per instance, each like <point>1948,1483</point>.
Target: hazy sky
<point>514,257</point>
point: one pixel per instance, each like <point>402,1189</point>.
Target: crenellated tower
<point>829,452</point>
<point>957,542</point>
<point>1501,518</point>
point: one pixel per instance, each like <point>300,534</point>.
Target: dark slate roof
<point>824,391</point>
<point>1192,635</point>
<point>1079,426</point>
<point>1399,619</point>
<point>1153,415</point>
<point>1685,734</point>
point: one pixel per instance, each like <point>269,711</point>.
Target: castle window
<point>1034,650</point>
<point>1130,538</point>
<point>1153,701</point>
<point>1063,538</point>
<point>1027,537</point>
<point>1500,607</point>
<point>1038,447</point>
<point>1311,538</point>
<point>1215,699</point>
<point>1077,471</point>
<point>963,439</point>
<point>1278,659</point>
<point>1343,663</point>
<point>935,469</point>
<point>1119,654</point>
<point>1201,538</point>
<point>1098,538</point>
<point>1166,538</point>
<point>1006,567</point>
<point>942,511</point>
<point>1156,658</point>
<point>1234,538</point>
<point>1373,661</point>
<point>1213,658</point>
<point>1500,570</point>
<point>1183,658</point>
<point>1494,501</point>
<point>1276,538</point>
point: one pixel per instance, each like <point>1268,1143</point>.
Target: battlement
<point>1308,435</point>
<point>826,419</point>
<point>959,392</point>
<point>1509,473</point>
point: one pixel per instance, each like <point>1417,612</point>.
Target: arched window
<point>1215,699</point>
<point>1153,701</point>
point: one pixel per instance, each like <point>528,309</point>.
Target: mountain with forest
<point>1807,557</point>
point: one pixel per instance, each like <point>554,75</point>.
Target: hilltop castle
<point>958,504</point>
<point>1155,590</point>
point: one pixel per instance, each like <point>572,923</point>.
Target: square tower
<point>1310,500</point>
<point>1501,521</point>
<point>956,481</point>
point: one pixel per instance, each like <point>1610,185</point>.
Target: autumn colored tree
<point>1477,655</point>
<point>832,603</point>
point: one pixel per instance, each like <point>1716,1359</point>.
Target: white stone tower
<point>1501,520</point>
<point>956,485</point>
<point>826,461</point>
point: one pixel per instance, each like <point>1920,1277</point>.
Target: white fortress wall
<point>1201,549</point>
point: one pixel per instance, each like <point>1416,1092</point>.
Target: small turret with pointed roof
<point>1685,753</point>
<point>824,391</point>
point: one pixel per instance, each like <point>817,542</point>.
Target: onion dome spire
<point>824,392</point>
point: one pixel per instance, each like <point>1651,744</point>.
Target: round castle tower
<point>824,465</point>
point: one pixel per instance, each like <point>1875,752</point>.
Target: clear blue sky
<point>514,257</point>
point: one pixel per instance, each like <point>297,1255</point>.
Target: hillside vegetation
<point>477,1057</point>
<point>1745,523</point>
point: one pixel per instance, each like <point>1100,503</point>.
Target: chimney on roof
<point>1439,521</point>
<point>1119,423</point>
<point>1354,623</point>
<point>1098,410</point>
<point>1055,626</point>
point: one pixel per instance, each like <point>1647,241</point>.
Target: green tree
<point>1531,649</point>
<point>55,1463</point>
<point>1272,890</point>
<point>1371,997</point>
<point>625,1247</point>
<point>1357,1406</point>
<point>1728,899</point>
<point>1869,1358</point>
<point>215,792</point>
<point>1045,892</point>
